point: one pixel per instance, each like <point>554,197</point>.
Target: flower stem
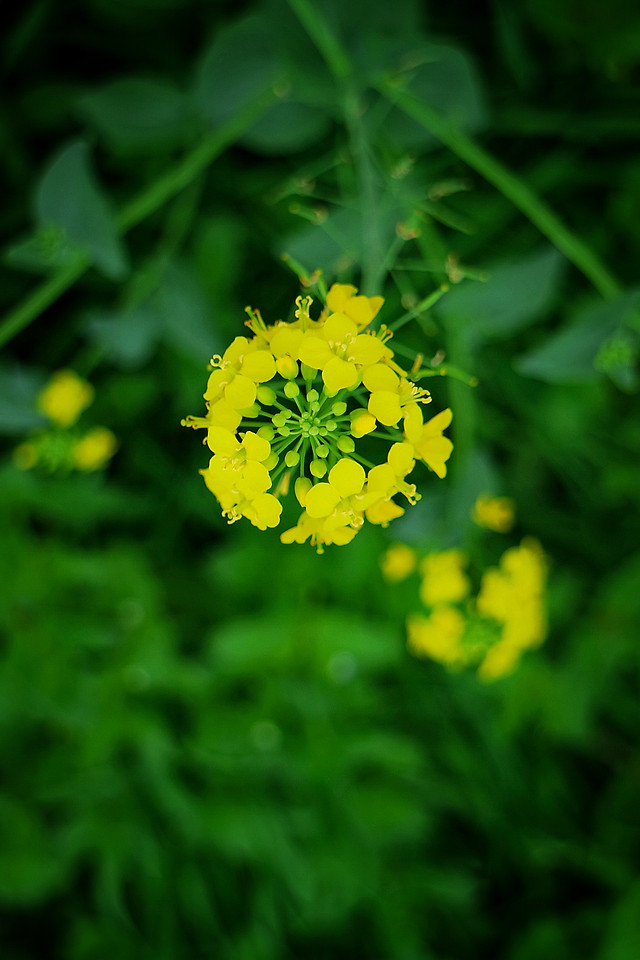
<point>148,201</point>
<point>514,189</point>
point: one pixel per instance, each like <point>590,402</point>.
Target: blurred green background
<point>214,745</point>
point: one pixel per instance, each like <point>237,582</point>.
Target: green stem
<point>421,307</point>
<point>148,201</point>
<point>340,66</point>
<point>328,45</point>
<point>42,297</point>
<point>535,209</point>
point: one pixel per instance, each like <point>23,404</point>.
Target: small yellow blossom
<point>494,513</point>
<point>443,578</point>
<point>94,450</point>
<point>287,408</point>
<point>398,562</point>
<point>65,397</point>
<point>438,636</point>
<point>429,443</point>
<point>513,594</point>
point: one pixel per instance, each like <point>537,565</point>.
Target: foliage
<point>215,744</point>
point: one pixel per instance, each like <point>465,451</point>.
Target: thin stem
<point>421,307</point>
<point>328,45</point>
<point>340,66</point>
<point>535,209</point>
<point>148,201</point>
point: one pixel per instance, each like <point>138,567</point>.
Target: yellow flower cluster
<point>62,400</point>
<point>295,405</point>
<point>490,631</point>
<point>493,513</point>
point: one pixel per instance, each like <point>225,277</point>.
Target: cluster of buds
<point>296,406</point>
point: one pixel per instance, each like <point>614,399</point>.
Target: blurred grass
<point>215,745</point>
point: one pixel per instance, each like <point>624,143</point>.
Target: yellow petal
<point>222,441</point>
<point>240,393</point>
<point>438,423</point>
<point>253,480</point>
<point>257,448</point>
<point>338,295</point>
<point>301,489</point>
<point>362,310</point>
<point>413,422</point>
<point>216,384</point>
<point>366,349</point>
<point>258,366</point>
<point>347,477</point>
<point>235,351</point>
<point>435,451</point>
<point>382,478</point>
<point>380,377</point>
<point>401,458</point>
<point>339,329</point>
<point>222,414</point>
<point>384,405</point>
<point>362,422</point>
<point>263,511</point>
<point>315,352</point>
<point>383,512</point>
<point>321,500</point>
<point>286,342</point>
<point>339,374</point>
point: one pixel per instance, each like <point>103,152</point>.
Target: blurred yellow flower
<point>94,450</point>
<point>438,636</point>
<point>443,578</point>
<point>494,513</point>
<point>398,562</point>
<point>65,397</point>
<point>513,594</point>
<point>491,632</point>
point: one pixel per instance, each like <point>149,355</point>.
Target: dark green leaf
<point>515,295</point>
<point>139,115</point>
<point>70,197</point>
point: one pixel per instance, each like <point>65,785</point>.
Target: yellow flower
<point>340,352</point>
<point>64,398</point>
<point>513,595</point>
<point>438,636</point>
<point>443,579</point>
<point>398,562</point>
<point>501,660</point>
<point>494,513</point>
<point>94,450</point>
<point>293,401</point>
<point>430,445</point>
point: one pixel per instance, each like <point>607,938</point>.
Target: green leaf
<point>236,68</point>
<point>515,295</point>
<point>129,337</point>
<point>186,315</point>
<point>70,197</point>
<point>50,249</point>
<point>19,388</point>
<point>29,869</point>
<point>139,115</point>
<point>446,79</point>
<point>622,937</point>
<point>286,127</point>
<point>569,355</point>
